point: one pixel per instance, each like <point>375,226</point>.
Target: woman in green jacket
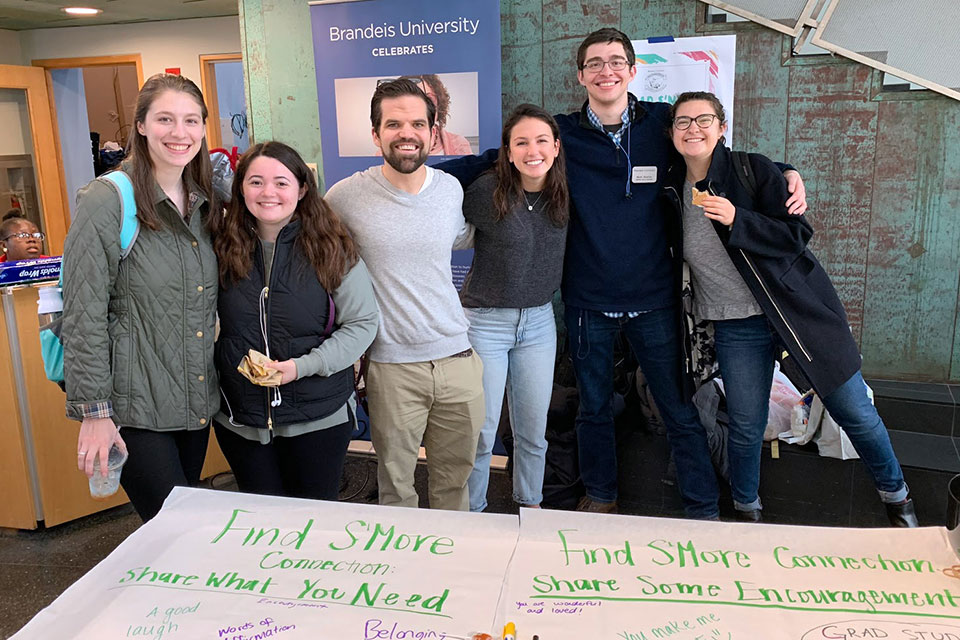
<point>138,332</point>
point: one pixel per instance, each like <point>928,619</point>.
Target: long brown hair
<point>509,190</point>
<point>323,238</point>
<point>198,173</point>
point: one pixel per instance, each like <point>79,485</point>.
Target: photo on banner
<point>458,120</point>
<point>666,67</point>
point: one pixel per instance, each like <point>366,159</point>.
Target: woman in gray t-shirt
<point>754,277</point>
<point>519,210</point>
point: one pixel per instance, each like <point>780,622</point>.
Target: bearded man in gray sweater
<point>424,383</point>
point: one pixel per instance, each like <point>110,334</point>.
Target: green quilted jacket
<point>138,334</point>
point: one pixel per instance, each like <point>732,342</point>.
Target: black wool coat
<point>768,246</point>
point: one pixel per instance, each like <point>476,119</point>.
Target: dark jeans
<point>745,353</point>
<point>158,462</point>
<point>304,466</point>
<point>655,339</point>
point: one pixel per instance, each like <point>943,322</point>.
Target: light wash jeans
<point>518,348</point>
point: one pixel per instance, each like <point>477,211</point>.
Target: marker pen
<point>510,631</point>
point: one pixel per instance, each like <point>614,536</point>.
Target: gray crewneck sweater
<point>518,261</point>
<point>406,239</point>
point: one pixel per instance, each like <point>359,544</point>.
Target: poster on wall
<point>451,49</point>
<point>666,67</point>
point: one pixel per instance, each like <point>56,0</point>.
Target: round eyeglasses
<point>23,235</point>
<point>615,64</point>
<point>704,120</point>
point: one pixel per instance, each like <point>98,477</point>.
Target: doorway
<point>93,99</point>
<point>221,80</point>
<point>29,178</point>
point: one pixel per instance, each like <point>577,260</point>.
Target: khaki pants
<point>439,403</point>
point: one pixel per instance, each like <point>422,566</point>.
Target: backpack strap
<point>741,165</point>
<point>331,312</point>
<point>129,224</point>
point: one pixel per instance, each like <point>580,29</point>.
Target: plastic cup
<point>104,487</point>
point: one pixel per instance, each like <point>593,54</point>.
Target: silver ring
<point>81,453</point>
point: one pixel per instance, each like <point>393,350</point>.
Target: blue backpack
<point>51,348</point>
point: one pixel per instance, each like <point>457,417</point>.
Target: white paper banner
<point>665,69</point>
<point>227,566</point>
<point>577,575</point>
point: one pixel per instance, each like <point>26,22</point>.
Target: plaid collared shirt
<point>97,409</point>
<point>625,119</point>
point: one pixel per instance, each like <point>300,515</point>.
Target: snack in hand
<point>698,196</point>
<point>254,368</point>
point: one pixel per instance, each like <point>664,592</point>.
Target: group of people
<point>599,203</point>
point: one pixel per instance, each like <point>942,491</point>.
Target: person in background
<point>20,239</point>
<point>424,383</point>
<point>755,279</point>
<point>138,337</point>
<point>519,211</point>
<point>292,287</point>
<point>445,143</point>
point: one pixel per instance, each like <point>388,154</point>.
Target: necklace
<point>531,206</point>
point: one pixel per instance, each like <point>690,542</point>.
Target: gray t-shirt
<point>719,292</point>
<point>517,261</point>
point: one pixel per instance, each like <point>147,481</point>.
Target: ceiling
<point>18,15</point>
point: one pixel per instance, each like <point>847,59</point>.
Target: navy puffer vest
<point>296,308</point>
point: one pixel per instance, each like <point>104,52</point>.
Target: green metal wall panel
<point>831,138</point>
<point>281,75</point>
<point>761,88</point>
<point>655,18</point>
<point>521,55</point>
<point>913,264</point>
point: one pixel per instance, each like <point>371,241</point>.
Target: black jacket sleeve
<point>466,169</point>
<point>770,231</point>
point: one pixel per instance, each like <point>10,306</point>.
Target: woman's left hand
<point>719,209</point>
<point>288,369</point>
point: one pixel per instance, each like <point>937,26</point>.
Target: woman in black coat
<point>754,278</point>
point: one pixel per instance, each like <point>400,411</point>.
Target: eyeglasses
<point>23,235</point>
<point>703,121</point>
<point>615,64</point>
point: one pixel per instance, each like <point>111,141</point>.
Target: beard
<point>406,163</point>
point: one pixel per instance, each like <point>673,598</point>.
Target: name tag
<point>644,175</point>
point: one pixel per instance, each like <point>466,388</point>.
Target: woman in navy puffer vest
<point>294,289</point>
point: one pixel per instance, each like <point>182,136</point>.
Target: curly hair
<point>443,96</point>
<point>323,238</point>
